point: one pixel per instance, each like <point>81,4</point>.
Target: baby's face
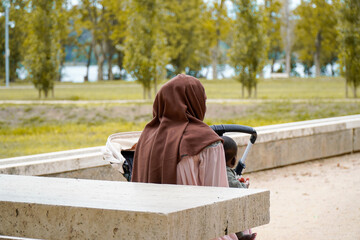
<point>231,163</point>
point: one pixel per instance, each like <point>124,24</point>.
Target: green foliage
<point>272,21</point>
<point>42,44</point>
<point>316,33</point>
<point>17,14</point>
<point>248,51</point>
<point>145,52</point>
<point>350,39</point>
<point>185,35</point>
<point>217,25</point>
<point>33,135</point>
<point>2,45</point>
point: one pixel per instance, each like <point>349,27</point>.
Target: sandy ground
<point>313,200</point>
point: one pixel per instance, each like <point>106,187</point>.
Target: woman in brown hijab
<point>177,147</point>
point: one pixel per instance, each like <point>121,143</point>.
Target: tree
<point>83,44</point>
<point>43,46</point>
<point>316,26</point>
<point>2,44</point>
<point>17,14</point>
<point>217,23</point>
<point>185,35</point>
<point>287,29</point>
<point>65,31</point>
<point>248,51</point>
<point>145,46</point>
<point>350,44</point>
<point>273,26</point>
<point>92,19</point>
<point>117,14</point>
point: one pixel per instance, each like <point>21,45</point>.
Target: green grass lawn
<point>293,88</point>
<point>31,129</point>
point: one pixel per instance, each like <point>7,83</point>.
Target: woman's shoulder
<point>214,144</point>
<point>213,148</point>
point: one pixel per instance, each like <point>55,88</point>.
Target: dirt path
<point>313,200</point>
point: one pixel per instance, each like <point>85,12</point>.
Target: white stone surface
<point>276,145</point>
<point>58,208</point>
<point>55,162</point>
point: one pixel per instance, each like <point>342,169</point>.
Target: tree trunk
<point>215,53</point>
<point>120,59</point>
<point>110,73</point>
<point>272,65</point>
<point>100,58</point>
<point>60,68</point>
<point>88,63</point>
<point>100,63</point>
<point>214,62</point>
<point>39,93</point>
<point>287,38</point>
<point>249,88</point>
<point>354,89</point>
<point>242,90</point>
<point>317,54</point>
<point>255,90</point>
<point>346,88</point>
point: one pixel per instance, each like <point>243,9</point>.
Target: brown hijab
<point>177,129</point>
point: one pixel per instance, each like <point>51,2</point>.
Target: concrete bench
<point>63,208</point>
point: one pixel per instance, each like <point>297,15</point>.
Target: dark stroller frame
<point>220,130</point>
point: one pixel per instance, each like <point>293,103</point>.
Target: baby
<point>235,181</point>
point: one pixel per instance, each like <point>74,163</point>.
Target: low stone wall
<point>284,144</point>
<point>277,145</point>
<point>86,163</point>
<point>64,208</point>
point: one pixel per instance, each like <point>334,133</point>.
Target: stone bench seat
<point>65,208</point>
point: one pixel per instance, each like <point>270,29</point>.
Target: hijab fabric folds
<point>177,129</point>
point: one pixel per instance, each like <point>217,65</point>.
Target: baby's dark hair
<point>230,148</point>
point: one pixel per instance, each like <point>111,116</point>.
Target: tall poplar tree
<point>350,44</point>
<point>93,20</point>
<point>273,26</point>
<point>248,51</point>
<point>145,46</point>
<point>217,23</point>
<point>42,44</point>
<point>117,14</point>
<point>316,26</point>
<point>185,35</point>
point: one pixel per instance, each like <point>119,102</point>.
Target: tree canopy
<point>155,39</point>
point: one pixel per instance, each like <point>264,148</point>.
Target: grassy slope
<point>32,129</point>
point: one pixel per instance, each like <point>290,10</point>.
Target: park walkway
<point>312,200</point>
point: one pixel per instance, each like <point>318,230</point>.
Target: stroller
<point>120,148</point>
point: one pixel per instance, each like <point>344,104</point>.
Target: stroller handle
<point>221,129</point>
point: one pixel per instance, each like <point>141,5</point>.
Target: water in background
<point>76,74</point>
